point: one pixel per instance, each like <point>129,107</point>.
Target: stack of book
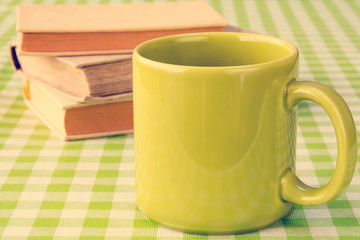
<point>76,59</point>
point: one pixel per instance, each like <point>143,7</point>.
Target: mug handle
<point>292,188</point>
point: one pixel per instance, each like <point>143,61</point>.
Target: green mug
<point>215,132</point>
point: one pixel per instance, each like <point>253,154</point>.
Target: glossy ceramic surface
<point>215,131</point>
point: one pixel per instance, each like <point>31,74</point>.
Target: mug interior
<point>216,49</point>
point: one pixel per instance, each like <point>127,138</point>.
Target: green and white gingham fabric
<point>50,189</point>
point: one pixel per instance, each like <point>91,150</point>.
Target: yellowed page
<point>90,60</point>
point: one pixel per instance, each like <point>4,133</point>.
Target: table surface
<point>50,189</point>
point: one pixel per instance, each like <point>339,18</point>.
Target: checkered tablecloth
<point>50,189</point>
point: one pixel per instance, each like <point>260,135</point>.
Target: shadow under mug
<point>215,132</point>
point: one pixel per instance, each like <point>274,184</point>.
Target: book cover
<point>81,78</point>
<point>72,120</point>
<point>110,28</point>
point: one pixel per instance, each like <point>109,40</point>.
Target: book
<point>112,28</point>
<point>72,120</point>
<point>82,78</point>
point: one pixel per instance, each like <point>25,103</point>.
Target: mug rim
<point>293,55</point>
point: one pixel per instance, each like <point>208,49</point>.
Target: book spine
<point>14,58</point>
